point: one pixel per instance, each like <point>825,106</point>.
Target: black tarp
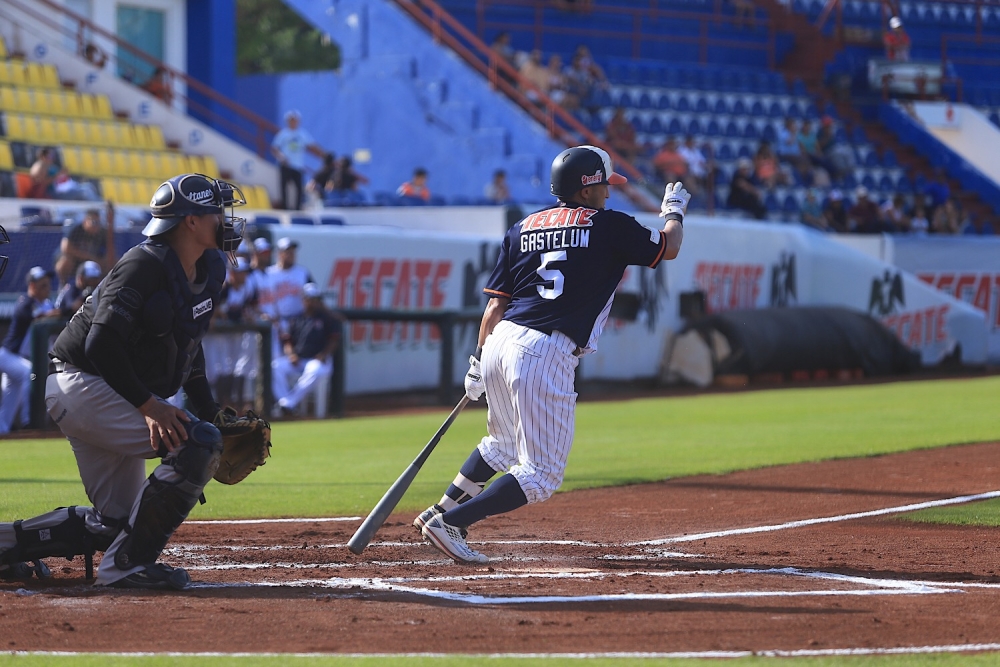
<point>784,340</point>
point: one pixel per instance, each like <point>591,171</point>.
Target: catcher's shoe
<point>24,571</point>
<point>429,514</point>
<point>449,540</point>
<point>157,577</point>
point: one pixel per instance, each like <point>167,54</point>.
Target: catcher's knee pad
<point>65,532</point>
<point>165,504</point>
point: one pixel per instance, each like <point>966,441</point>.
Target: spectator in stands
<point>160,85</point>
<point>322,180</point>
<point>416,189</point>
<point>584,59</point>
<point>74,292</point>
<point>893,211</point>
<point>838,156</point>
<point>88,240</point>
<point>696,180</point>
<point>535,73</point>
<point>620,135</point>
<point>812,211</point>
<point>936,191</point>
<point>835,212</point>
<point>308,351</point>
<point>864,216</point>
<point>289,148</point>
<point>583,76</point>
<point>502,47</point>
<point>896,41</point>
<point>766,170</point>
<point>95,55</point>
<point>260,260</point>
<point>14,365</point>
<point>558,85</point>
<point>919,224</point>
<point>497,191</point>
<point>743,194</point>
<point>947,218</point>
<point>978,226</point>
<point>669,164</point>
<point>43,174</point>
<point>808,142</point>
<point>790,151</point>
<point>345,178</point>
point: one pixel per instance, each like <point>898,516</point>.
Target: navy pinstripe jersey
<point>560,267</point>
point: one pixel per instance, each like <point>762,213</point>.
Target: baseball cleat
<point>157,577</point>
<point>24,571</point>
<point>429,514</point>
<point>449,540</point>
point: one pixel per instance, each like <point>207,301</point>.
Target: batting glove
<point>474,385</point>
<point>675,200</point>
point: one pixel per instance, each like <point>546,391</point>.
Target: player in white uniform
<point>551,293</point>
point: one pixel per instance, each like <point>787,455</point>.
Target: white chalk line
<point>957,500</point>
<point>237,522</point>
<point>634,655</point>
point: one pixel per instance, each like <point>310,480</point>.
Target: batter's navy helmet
<point>581,166</point>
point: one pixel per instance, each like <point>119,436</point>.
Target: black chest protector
<point>180,315</point>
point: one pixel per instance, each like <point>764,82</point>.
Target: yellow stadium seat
<point>156,140</point>
<point>42,75</point>
<point>45,102</point>
<point>142,138</point>
<point>88,161</point>
<point>71,158</point>
<point>109,188</point>
<point>23,100</point>
<point>6,159</point>
<point>12,72</point>
<point>47,130</point>
<point>210,166</point>
<point>8,99</point>
<point>64,131</point>
<point>135,165</point>
<point>95,133</point>
<point>171,163</point>
<point>71,101</point>
<point>119,165</point>
<point>103,158</point>
<point>150,164</point>
<point>88,106</point>
<point>15,126</point>
<point>78,131</point>
<point>102,107</point>
<point>3,49</point>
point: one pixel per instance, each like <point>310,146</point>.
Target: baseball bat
<point>363,535</point>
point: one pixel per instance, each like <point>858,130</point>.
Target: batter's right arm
<point>494,313</point>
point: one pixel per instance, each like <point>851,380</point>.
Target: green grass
<point>985,513</point>
<point>342,467</point>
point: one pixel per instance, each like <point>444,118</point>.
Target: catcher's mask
<point>197,194</point>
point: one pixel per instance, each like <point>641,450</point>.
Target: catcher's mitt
<point>246,443</point>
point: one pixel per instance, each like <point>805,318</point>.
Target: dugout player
<point>550,295</point>
<point>135,342</point>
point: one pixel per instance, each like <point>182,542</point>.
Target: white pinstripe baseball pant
<point>529,380</point>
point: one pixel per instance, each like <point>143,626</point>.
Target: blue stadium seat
<point>645,101</point>
<point>701,104</point>
<point>858,135</point>
<point>721,108</point>
<point>791,204</point>
<point>757,108</point>
<point>674,126</point>
<point>663,102</point>
<point>871,159</point>
<point>886,184</point>
<point>769,133</point>
<point>694,127</point>
<point>903,184</point>
<point>655,125</point>
<point>889,159</point>
<point>266,220</point>
<point>383,198</point>
<point>461,200</point>
<point>794,110</point>
<point>849,181</point>
<point>625,99</point>
<point>771,201</point>
<point>750,131</point>
<point>776,110</point>
<point>725,151</point>
<point>296,220</point>
<point>712,128</point>
<point>868,181</point>
<point>732,129</point>
<point>683,103</point>
<point>739,107</point>
<point>744,151</point>
<point>331,220</point>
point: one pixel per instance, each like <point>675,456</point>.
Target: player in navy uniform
<point>550,295</point>
<point>135,342</point>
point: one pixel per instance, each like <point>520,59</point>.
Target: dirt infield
<point>786,558</point>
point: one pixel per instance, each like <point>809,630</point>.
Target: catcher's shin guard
<point>65,532</point>
<point>165,504</point>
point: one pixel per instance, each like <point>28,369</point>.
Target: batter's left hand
<point>475,387</point>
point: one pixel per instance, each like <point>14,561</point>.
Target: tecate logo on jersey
<point>559,217</point>
<point>592,180</point>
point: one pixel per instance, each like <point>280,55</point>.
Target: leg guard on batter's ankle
<point>65,532</point>
<point>165,503</point>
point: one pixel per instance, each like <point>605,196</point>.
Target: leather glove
<point>675,200</point>
<point>474,385</point>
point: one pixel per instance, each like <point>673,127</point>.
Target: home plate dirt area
<point>808,558</point>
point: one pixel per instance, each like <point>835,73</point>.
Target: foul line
<point>774,653</point>
<point>211,522</point>
<point>957,500</point>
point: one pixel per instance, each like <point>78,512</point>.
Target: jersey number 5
<point>554,276</point>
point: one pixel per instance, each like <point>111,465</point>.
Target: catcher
<point>135,342</point>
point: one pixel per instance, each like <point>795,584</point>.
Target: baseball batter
<point>550,295</point>
<point>135,342</point>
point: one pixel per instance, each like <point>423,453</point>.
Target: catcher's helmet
<point>197,194</point>
<point>581,166</point>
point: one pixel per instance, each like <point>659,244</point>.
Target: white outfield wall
<point>739,264</point>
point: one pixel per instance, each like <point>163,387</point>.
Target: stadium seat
<point>6,157</point>
<point>712,128</point>
<point>701,104</point>
<point>725,151</point>
<point>720,106</point>
<point>683,103</point>
<point>739,107</point>
<point>889,159</point>
<point>750,131</point>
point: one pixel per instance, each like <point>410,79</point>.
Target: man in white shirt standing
<point>289,148</point>
<point>286,281</point>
